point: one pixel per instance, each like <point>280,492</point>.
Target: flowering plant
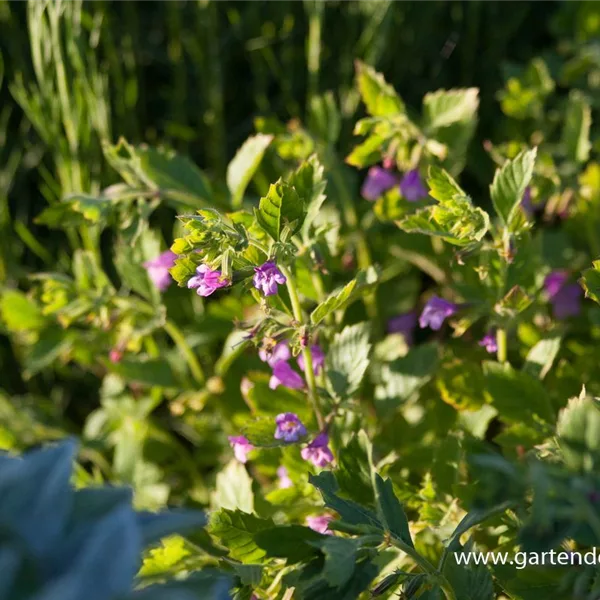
<point>356,385</point>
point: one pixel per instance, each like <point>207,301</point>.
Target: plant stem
<point>306,353</point>
<point>425,566</point>
<point>313,49</point>
<point>501,343</point>
<point>177,336</point>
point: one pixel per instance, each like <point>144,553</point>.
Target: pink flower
<point>283,374</point>
<point>206,281</point>
<point>565,298</point>
<point>320,523</point>
<point>281,352</point>
<point>412,187</point>
<point>289,427</point>
<point>488,341</point>
<point>318,359</point>
<point>318,452</point>
<point>378,181</point>
<point>115,355</point>
<point>241,447</point>
<point>267,277</point>
<point>158,269</point>
<point>435,311</point>
<point>284,479</point>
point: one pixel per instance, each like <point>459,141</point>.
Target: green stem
<point>426,566</point>
<point>306,353</point>
<point>501,343</point>
<point>177,336</point>
<point>313,49</point>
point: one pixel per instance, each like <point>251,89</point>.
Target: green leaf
<point>348,359</point>
<point>340,559</point>
<point>144,371</point>
<point>446,107</point>
<point>473,582</point>
<point>282,399</point>
<point>53,342</point>
<point>77,210</point>
<point>541,357</point>
<point>293,542</point>
<point>244,164</point>
<point>353,473</point>
<point>19,312</point>
<point>591,282</point>
<point>236,530</point>
<point>578,430</point>
<point>456,221</point>
<point>509,184</point>
<point>310,184</point>
<point>380,98</point>
<point>234,488</point>
<point>164,559</point>
<point>515,302</point>
<point>350,512</point>
<point>342,297</point>
<point>248,574</point>
<point>400,379</point>
<point>391,510</point>
<point>167,173</point>
<point>442,186</point>
<point>517,395</point>
<point>576,129</point>
<point>281,207</point>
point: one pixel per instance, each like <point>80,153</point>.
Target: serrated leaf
<point>280,207</point>
<point>442,186</point>
<point>591,282</point>
<point>380,98</point>
<point>340,559</point>
<point>541,357</point>
<point>234,488</point>
<point>348,359</point>
<point>342,297</point>
<point>353,472</point>
<point>446,107</point>
<point>292,542</point>
<point>165,558</point>
<point>578,430</point>
<point>576,129</point>
<point>310,183</point>
<point>236,530</point>
<point>400,379</point>
<point>244,164</point>
<point>509,184</point>
<point>350,512</point>
<point>456,221</point>
<point>391,510</point>
<point>517,395</point>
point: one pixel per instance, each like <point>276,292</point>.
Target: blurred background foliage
<point>194,77</point>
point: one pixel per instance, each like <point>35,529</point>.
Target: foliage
<point>364,346</point>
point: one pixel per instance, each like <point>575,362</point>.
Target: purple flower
<point>435,311</point>
<point>289,427</point>
<point>241,446</point>
<point>318,452</point>
<point>281,352</point>
<point>378,180</point>
<point>267,277</point>
<point>412,187</point>
<point>565,298</point>
<point>527,205</point>
<point>488,341</point>
<point>284,479</point>
<point>404,324</point>
<point>318,359</point>
<point>206,281</point>
<point>158,269</point>
<point>284,375</point>
<point>320,523</point>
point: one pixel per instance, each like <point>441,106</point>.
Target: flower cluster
<point>283,373</point>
